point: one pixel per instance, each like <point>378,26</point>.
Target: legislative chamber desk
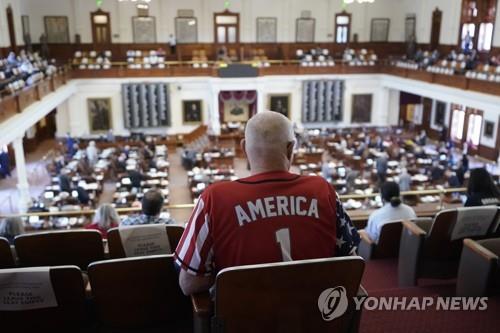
<point>359,217</point>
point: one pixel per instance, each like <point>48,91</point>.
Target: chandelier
<point>347,2</point>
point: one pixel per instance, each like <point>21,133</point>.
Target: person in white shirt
<point>404,180</point>
<point>393,210</point>
<point>92,153</point>
<point>173,44</point>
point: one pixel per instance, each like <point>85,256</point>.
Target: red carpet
<point>380,280</point>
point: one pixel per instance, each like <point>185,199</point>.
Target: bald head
<point>269,140</point>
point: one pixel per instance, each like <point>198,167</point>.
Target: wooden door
<point>101,27</point>
<point>226,27</point>
<point>437,16</point>
<point>12,29</point>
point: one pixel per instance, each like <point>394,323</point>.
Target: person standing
<point>172,41</point>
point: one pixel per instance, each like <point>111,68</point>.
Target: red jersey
<point>269,217</point>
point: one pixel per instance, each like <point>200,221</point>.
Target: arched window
<point>477,24</point>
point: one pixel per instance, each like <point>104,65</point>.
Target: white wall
<point>286,11</point>
<point>17,10</point>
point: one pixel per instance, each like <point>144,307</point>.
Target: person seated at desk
<point>404,180</point>
<point>482,190</point>
<point>136,177</point>
<point>436,172</point>
<point>421,139</point>
<point>83,196</point>
<point>64,181</point>
<point>392,210</point>
<point>11,227</point>
<point>105,218</point>
<point>83,167</point>
<point>152,203</point>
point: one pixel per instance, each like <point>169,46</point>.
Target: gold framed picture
<point>279,103</point>
<point>99,110</point>
<point>192,112</point>
<point>236,111</point>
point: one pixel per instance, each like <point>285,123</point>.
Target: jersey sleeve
<point>347,236</point>
<point>194,254</point>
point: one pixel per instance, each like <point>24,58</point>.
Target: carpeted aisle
<point>380,280</point>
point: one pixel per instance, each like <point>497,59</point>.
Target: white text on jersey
<point>276,206</point>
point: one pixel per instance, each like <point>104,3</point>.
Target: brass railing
<point>440,192</point>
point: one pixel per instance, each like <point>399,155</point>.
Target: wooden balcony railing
<point>13,104</point>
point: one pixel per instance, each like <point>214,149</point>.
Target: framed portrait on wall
<point>305,30</point>
<point>56,29</point>
<point>186,30</point>
<point>99,110</point>
<point>361,108</point>
<point>440,113</point>
<point>192,112</point>
<point>236,111</point>
<point>489,128</point>
<point>267,29</point>
<point>410,27</point>
<point>25,20</point>
<point>380,30</point>
<point>280,104</point>
<point>144,29</point>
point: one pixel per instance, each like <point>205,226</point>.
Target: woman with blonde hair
<point>11,227</point>
<point>105,218</point>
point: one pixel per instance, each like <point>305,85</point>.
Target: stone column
<point>22,176</point>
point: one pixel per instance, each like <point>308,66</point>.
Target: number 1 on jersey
<point>283,239</point>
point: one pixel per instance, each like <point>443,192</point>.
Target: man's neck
<point>255,170</point>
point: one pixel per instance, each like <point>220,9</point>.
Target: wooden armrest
<point>365,237</point>
<point>413,228</point>
<point>479,249</point>
<point>202,304</point>
<point>362,292</point>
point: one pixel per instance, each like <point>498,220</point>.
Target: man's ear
<point>289,150</point>
<point>242,145</point>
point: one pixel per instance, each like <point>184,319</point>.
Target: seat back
<point>479,268</point>
<point>116,250</point>
<point>75,247</point>
<point>6,257</point>
<point>388,243</point>
<point>288,297</point>
<point>439,243</point>
<point>69,315</point>
<point>137,292</point>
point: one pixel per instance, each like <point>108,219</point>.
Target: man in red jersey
<point>271,216</point>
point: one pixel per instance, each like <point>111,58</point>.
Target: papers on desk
<point>48,195</point>
<point>393,164</point>
<point>126,181</point>
<point>420,178</point>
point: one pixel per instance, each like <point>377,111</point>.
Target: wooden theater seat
<point>479,270</point>
<point>388,242</point>
<point>139,293</point>
<point>56,248</point>
<point>116,249</point>
<point>281,297</point>
<point>6,257</point>
<point>69,315</point>
<point>432,249</point>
